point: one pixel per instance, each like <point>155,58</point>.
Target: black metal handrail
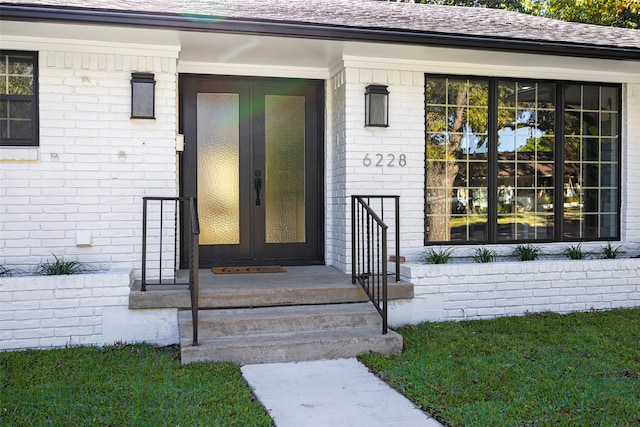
<point>176,205</point>
<point>369,249</point>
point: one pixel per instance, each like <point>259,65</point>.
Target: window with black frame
<point>521,160</point>
<point>18,98</point>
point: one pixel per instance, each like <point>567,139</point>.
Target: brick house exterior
<point>77,193</point>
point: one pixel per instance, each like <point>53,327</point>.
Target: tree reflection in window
<point>535,142</point>
<point>526,136</point>
<point>456,166</point>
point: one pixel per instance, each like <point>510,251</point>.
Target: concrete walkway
<point>331,393</point>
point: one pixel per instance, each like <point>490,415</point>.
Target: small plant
<point>5,272</point>
<point>60,267</point>
<point>441,256</point>
<point>485,255</point>
<point>575,252</point>
<point>610,252</point>
<point>527,252</point>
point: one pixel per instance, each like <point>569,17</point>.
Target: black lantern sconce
<point>143,89</point>
<point>376,106</point>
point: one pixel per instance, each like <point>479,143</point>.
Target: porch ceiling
<point>213,47</point>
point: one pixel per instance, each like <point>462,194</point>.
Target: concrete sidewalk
<point>331,393</point>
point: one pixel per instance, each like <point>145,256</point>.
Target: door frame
<point>189,172</point>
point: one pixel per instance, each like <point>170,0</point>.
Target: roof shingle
<point>378,15</point>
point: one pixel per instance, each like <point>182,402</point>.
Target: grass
<point>537,370</point>
<point>122,385</point>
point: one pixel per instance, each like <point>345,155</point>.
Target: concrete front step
<point>252,321</point>
<point>292,346</point>
<point>285,334</point>
<point>300,285</point>
<point>254,296</point>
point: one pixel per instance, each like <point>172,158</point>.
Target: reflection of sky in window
<point>513,139</point>
<point>515,134</point>
<point>470,143</point>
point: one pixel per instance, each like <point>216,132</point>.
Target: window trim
<point>492,180</point>
<point>35,108</point>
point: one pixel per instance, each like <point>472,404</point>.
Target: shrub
<point>484,255</point>
<point>575,252</point>
<point>60,267</point>
<point>441,256</point>
<point>609,252</point>
<point>527,252</point>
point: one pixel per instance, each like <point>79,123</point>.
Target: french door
<point>253,158</point>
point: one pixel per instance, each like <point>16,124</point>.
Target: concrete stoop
<point>285,334</point>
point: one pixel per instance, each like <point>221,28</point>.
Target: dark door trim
<point>189,85</point>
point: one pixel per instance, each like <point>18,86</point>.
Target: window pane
<point>608,124</point>
<point>17,98</point>
<point>525,161</point>
<point>285,220</point>
<point>591,163</point>
<point>20,109</point>
<point>524,197</point>
<point>609,150</point>
<point>20,65</point>
<point>218,168</point>
<point>456,167</point>
<point>20,129</point>
<point>436,91</point>
<point>20,85</point>
<point>572,97</point>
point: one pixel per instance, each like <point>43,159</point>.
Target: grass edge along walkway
<point>536,370</point>
<point>122,385</point>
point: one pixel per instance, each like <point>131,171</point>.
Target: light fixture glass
<point>142,96</point>
<point>376,106</point>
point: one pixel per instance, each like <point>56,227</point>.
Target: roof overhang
<point>209,24</point>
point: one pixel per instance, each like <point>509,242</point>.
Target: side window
<point>18,98</point>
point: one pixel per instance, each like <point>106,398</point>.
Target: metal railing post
<point>143,287</point>
<point>353,240</point>
<point>192,247</point>
<point>369,251</point>
<point>397,213</point>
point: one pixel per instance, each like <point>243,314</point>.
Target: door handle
<point>257,184</point>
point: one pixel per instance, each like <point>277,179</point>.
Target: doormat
<point>249,269</point>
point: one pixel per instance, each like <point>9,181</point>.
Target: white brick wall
<point>475,291</point>
<point>352,142</point>
<point>85,309</point>
<point>631,166</point>
<point>94,164</point>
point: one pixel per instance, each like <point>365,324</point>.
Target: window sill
<point>19,154</point>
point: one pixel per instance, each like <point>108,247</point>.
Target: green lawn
<point>538,370</point>
<point>122,385</point>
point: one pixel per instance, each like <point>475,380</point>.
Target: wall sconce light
<point>376,106</point>
<point>143,96</point>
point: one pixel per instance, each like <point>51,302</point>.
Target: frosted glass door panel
<point>285,169</point>
<point>218,168</point>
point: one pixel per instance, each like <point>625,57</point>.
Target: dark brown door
<point>253,158</point>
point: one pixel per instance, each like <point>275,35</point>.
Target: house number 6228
<point>381,160</point>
